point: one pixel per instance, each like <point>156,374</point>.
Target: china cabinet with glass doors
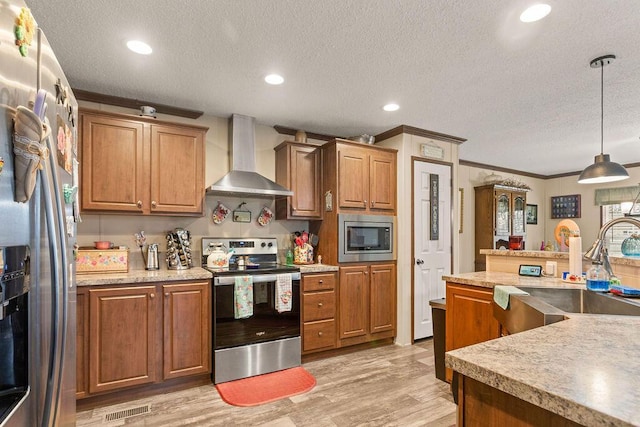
<point>500,213</point>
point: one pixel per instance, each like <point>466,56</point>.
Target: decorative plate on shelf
<point>564,230</point>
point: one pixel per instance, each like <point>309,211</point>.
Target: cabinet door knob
<point>372,203</point>
<point>320,333</point>
<point>139,204</point>
<point>365,203</point>
<point>166,294</point>
<point>152,296</point>
<point>154,204</point>
<point>319,304</point>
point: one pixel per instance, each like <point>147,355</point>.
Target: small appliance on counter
<point>179,249</point>
<point>151,260</point>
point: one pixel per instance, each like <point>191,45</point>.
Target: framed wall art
<point>565,206</point>
<point>532,214</point>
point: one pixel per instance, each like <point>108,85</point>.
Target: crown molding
<point>100,98</point>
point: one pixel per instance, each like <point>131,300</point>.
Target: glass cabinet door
<point>502,214</point>
<point>518,214</point>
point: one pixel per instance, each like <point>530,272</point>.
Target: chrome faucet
<point>598,253</point>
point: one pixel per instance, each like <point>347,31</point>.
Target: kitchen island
<point>581,370</point>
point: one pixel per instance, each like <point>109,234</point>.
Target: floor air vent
<point>125,413</point>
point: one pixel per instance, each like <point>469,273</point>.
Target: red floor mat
<point>266,388</point>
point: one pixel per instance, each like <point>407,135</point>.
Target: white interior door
<point>432,240</point>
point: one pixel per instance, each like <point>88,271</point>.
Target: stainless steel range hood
<point>243,180</point>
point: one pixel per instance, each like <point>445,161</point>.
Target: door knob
<point>419,261</point>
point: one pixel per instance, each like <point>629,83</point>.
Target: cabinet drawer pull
<point>320,333</point>
<point>320,281</point>
<point>154,204</point>
<point>139,204</point>
<point>319,304</point>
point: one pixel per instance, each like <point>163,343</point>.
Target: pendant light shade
<point>602,169</point>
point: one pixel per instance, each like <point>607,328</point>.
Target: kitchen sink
<point>549,305</point>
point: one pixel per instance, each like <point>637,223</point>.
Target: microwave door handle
<point>258,278</point>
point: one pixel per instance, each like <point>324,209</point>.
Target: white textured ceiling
<point>523,95</point>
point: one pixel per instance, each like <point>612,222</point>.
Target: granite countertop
<point>142,276</point>
<point>165,275</point>
<point>317,268</point>
<point>554,255</point>
<point>585,368</point>
<point>488,279</point>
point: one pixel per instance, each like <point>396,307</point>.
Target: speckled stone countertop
<point>555,255</point>
<point>488,279</point>
<point>585,368</point>
<point>317,268</point>
<point>142,276</point>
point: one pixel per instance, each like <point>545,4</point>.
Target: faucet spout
<point>598,252</point>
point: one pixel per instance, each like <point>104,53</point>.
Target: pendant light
<point>602,169</point>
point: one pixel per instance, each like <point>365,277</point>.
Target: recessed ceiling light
<point>274,79</point>
<point>535,12</point>
<point>391,107</point>
<point>139,47</point>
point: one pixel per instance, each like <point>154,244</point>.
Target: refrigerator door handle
<point>62,279</point>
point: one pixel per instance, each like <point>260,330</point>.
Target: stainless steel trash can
<point>438,312</point>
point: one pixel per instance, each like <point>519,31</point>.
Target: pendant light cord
<point>602,107</point>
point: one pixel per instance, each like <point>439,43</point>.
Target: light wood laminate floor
<point>384,386</point>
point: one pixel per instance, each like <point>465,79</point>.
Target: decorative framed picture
<point>565,206</point>
<point>532,214</point>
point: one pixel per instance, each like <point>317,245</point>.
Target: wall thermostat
<point>530,270</point>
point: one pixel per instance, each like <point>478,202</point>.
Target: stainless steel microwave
<point>366,238</point>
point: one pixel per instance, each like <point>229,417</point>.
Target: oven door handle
<point>257,278</point>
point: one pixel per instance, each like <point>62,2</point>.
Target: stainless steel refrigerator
<point>38,216</point>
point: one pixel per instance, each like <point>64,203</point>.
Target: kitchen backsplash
<point>120,229</point>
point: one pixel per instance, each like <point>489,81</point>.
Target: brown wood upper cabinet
<point>298,169</point>
<point>363,177</point>
<point>140,166</point>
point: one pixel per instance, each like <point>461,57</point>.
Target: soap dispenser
<point>597,278</point>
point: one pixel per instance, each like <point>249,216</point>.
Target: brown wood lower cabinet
<point>143,334</point>
<point>469,317</point>
<point>367,303</point>
<point>187,334</point>
<point>482,405</point>
<point>318,312</point>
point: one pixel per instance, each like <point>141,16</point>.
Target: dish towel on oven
<point>243,293</point>
<point>283,292</point>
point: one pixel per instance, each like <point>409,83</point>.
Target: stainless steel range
<point>256,309</point>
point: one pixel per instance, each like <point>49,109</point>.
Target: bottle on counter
<point>288,260</point>
<point>597,278</point>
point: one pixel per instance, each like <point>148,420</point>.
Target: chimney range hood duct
<point>243,180</point>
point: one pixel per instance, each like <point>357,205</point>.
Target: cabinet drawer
<point>318,282</point>
<point>319,335</point>
<point>318,306</point>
